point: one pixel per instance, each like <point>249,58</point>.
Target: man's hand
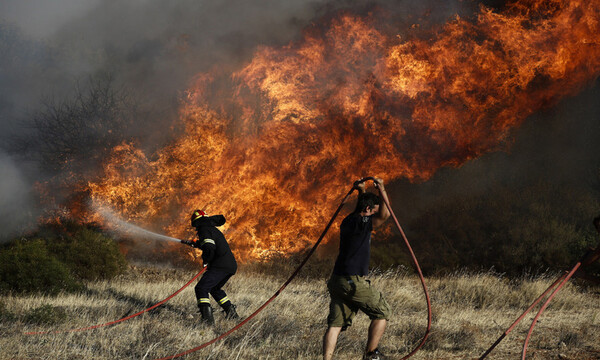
<point>383,212</point>
<point>360,186</point>
<point>379,184</point>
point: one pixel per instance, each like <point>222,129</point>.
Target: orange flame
<point>275,145</point>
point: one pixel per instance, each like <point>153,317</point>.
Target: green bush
<point>26,266</point>
<point>89,254</point>
<point>45,315</point>
<point>57,257</point>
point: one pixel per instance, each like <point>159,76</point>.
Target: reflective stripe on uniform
<point>204,301</point>
<point>223,300</point>
<point>208,241</point>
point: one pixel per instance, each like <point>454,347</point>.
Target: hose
<point>562,283</point>
<point>511,327</point>
<point>421,278</point>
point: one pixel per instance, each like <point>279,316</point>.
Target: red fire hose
<point>511,327</point>
<point>591,256</point>
<point>125,318</point>
<point>310,253</point>
<point>562,283</point>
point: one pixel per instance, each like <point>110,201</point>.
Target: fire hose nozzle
<point>187,242</point>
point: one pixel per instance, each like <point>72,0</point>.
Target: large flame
<point>274,145</point>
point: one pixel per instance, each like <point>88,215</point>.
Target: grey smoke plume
<point>17,210</point>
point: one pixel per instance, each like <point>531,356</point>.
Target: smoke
<point>17,210</point>
<point>41,19</point>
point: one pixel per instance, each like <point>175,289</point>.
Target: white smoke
<point>16,200</point>
<point>41,18</point>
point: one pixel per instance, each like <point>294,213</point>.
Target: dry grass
<point>469,313</point>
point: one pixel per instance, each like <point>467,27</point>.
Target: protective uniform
<point>220,262</point>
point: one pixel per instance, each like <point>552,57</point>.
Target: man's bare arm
<point>384,212</point>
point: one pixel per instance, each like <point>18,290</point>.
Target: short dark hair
<point>367,199</point>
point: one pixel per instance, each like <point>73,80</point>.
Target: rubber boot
<point>230,312</point>
<point>207,314</point>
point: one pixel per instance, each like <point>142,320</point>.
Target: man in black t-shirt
<point>220,262</point>
<point>348,288</point>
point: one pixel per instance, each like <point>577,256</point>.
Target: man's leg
<point>329,341</point>
<point>376,330</point>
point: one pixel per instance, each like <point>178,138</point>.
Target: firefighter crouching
<point>220,262</point>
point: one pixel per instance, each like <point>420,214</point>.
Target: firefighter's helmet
<point>198,214</point>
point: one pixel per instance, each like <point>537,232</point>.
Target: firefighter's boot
<point>230,312</point>
<point>206,312</point>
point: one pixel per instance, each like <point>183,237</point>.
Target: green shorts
<point>350,294</point>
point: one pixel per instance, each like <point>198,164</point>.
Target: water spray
<point>120,225</point>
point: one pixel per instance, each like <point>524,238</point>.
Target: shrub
<point>56,257</point>
<point>89,254</point>
<point>388,254</point>
<point>26,266</point>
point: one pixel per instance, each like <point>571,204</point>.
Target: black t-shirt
<point>355,246</point>
<point>215,249</point>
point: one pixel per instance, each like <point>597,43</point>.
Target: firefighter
<point>348,288</point>
<point>220,262</point>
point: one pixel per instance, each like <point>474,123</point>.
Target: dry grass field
<point>469,313</point>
